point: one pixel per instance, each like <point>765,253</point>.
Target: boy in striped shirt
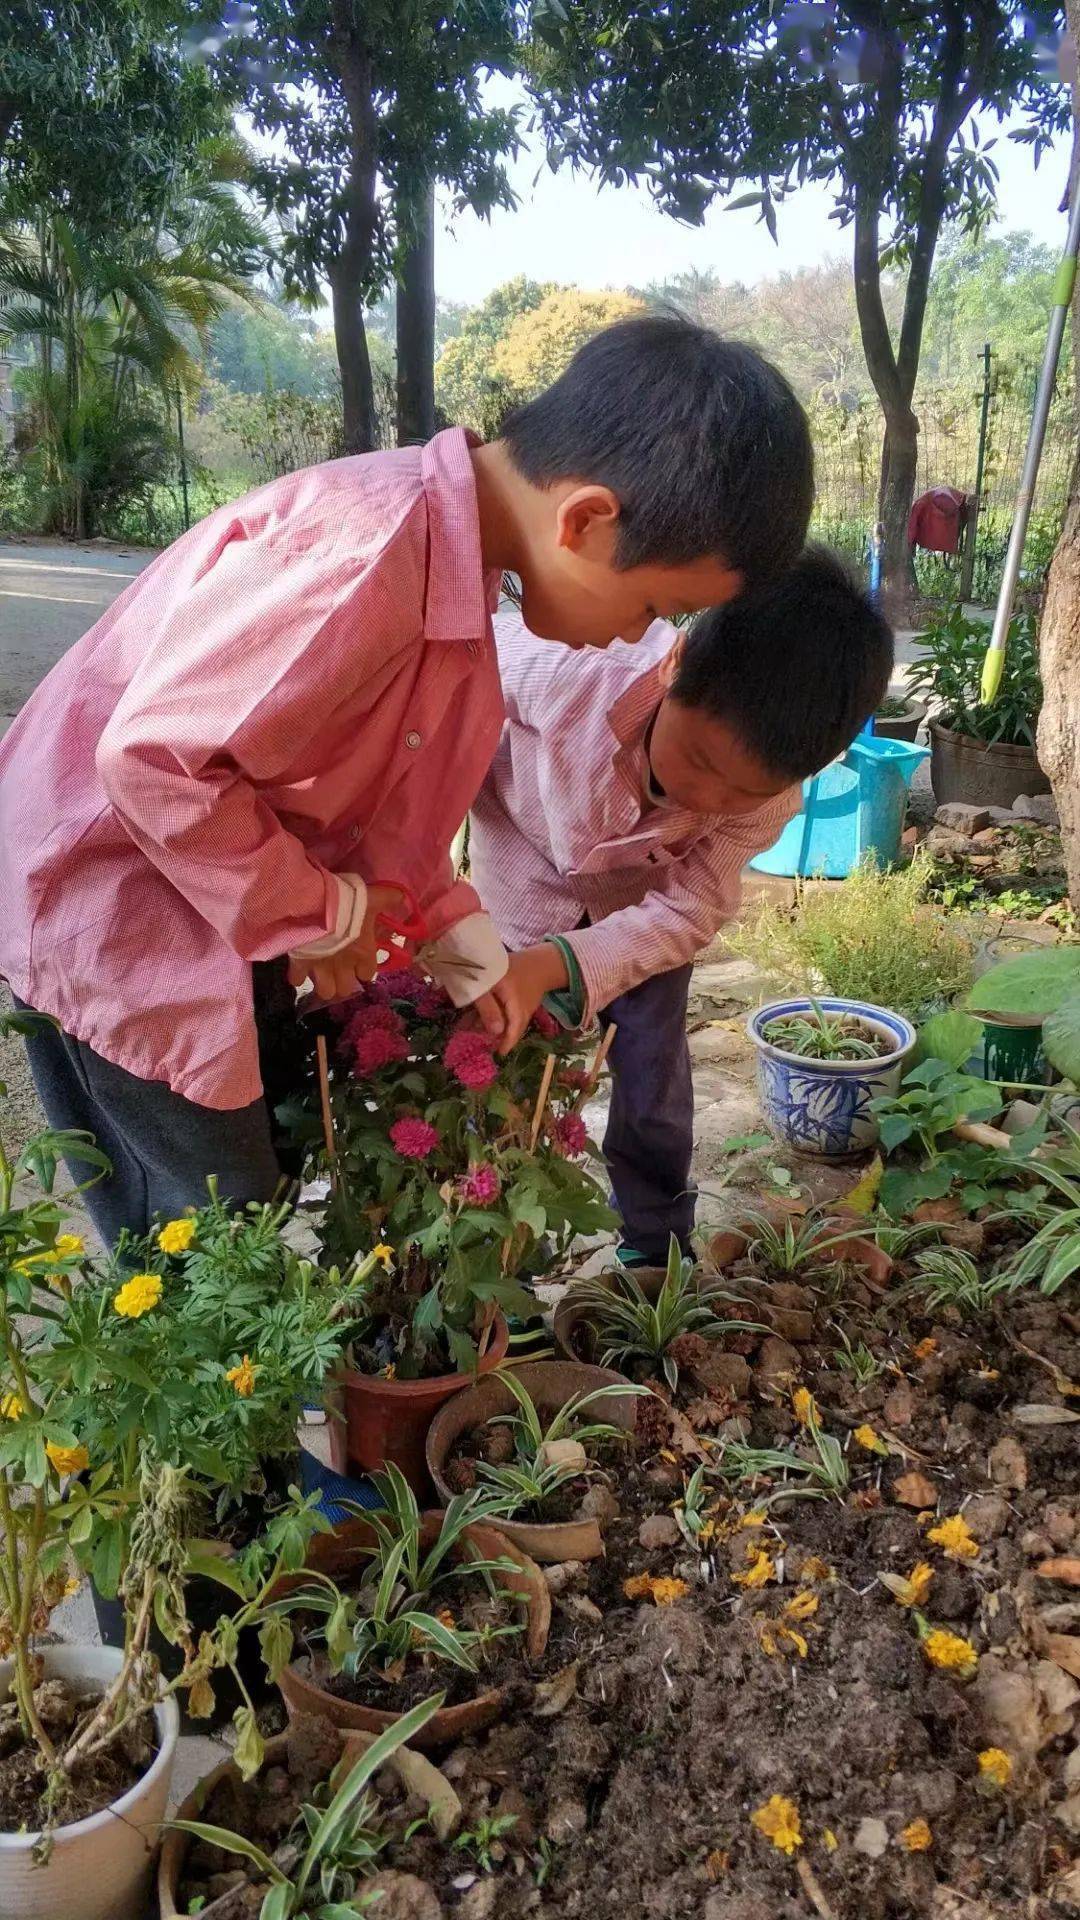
<point>627,794</point>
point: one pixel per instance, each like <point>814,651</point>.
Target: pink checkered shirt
<point>305,683</point>
<point>562,829</point>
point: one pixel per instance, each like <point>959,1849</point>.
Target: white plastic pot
<point>100,1867</point>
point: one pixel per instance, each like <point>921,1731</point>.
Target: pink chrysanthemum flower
<point>468,1056</point>
<point>370,1016</point>
<point>481,1186</point>
<point>571,1135</point>
<point>575,1077</point>
<point>414,1139</point>
<point>380,1047</point>
<point>545,1023</point>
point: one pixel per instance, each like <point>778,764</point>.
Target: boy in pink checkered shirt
<point>628,792</point>
<point>296,704</point>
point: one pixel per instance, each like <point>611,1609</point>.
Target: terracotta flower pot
<point>986,774</point>
<point>551,1383</point>
<point>414,1774</point>
<point>346,1550</point>
<point>383,1420</point>
<point>901,726</point>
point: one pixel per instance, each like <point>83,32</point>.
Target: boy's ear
<point>671,663</point>
<point>582,513</point>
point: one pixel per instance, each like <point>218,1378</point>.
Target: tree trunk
<point>1059,633</point>
<point>416,331</point>
<point>352,275</point>
<point>899,457</point>
<point>354,361</point>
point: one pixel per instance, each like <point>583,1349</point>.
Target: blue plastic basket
<point>334,1489</point>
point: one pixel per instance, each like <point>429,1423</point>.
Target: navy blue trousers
<point>650,1133</point>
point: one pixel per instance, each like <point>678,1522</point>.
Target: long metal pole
<point>183,456</point>
<point>968,572</point>
<point>994,664</point>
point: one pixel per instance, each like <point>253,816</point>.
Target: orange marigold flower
<point>243,1378</point>
<point>955,1538</point>
<point>662,1591</point>
<point>917,1837</point>
<point>778,1820</point>
<point>950,1652</point>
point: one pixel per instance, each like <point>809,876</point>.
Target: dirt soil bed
<point>106,1777</point>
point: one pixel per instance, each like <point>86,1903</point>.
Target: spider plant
<point>949,1277</point>
<point>794,1247</point>
<point>336,1848</point>
<point>479,1840</point>
<point>1052,1255</point>
<point>858,1362</point>
<point>694,1512</point>
<point>394,1615</point>
<point>823,1036</point>
<point>530,1479</point>
<point>635,1331</point>
<point>825,1474</point>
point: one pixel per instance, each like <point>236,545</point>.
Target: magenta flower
<point>481,1186</point>
<point>571,1135</point>
<point>468,1056</point>
<point>545,1023</point>
<point>575,1077</point>
<point>371,1015</point>
<point>414,1139</point>
<point>379,1047</point>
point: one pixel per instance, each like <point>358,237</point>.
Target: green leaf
<point>207,1565</point>
<point>902,1192</point>
<point>368,1765</point>
<point>951,1037</point>
<point>278,1904</point>
<point>1061,1038</point>
<point>1032,984</point>
<point>107,1559</point>
<point>250,1748</point>
<point>275,1645</point>
<point>231,1843</point>
<point>894,1129</point>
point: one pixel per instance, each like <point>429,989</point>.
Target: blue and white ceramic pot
<point>823,1106</point>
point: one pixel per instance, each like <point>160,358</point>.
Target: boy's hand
<point>532,973</point>
<point>337,975</point>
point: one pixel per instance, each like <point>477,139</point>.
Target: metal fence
<point>994,410</point>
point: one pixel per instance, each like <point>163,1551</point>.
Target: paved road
<point>49,595</point>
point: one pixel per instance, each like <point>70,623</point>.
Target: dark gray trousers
<point>650,1133</point>
<point>163,1147</point>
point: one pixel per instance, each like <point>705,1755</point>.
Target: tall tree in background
<point>878,99</point>
<point>375,101</point>
<point>1059,633</point>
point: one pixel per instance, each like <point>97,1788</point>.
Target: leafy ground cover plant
<point>948,672</point>
<point>949,1277</point>
<point>795,1245</point>
<point>464,1170</point>
<point>636,1334</point>
<point>1052,1255</point>
<point>816,1474</point>
<point>818,1035</point>
<point>875,938</point>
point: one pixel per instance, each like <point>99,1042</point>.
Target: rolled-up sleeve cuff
<point>468,959</point>
<point>348,920</point>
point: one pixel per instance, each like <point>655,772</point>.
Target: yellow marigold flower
<point>872,1441</point>
<point>755,1518</point>
<point>647,1586</point>
<point>778,1820</point>
<point>995,1766</point>
<point>67,1245</point>
<point>802,1606</point>
<point>950,1652</point>
<point>761,1570</point>
<point>917,1837</point>
<point>805,1406</point>
<point>243,1378</point>
<point>829,1840</point>
<point>384,1255</point>
<point>176,1236</point>
<point>12,1406</point>
<point>67,1459</point>
<point>138,1295</point>
<point>955,1538</point>
<point>910,1590</point>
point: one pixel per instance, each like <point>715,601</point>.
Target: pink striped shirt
<point>305,683</point>
<point>562,828</point>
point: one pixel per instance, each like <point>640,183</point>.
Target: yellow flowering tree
<point>541,343</point>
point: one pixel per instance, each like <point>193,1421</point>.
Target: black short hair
<point>700,438</point>
<point>796,668</point>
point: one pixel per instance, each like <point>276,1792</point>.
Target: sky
<point>565,229</point>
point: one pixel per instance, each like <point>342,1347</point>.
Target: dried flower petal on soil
<point>806,1412</point>
<point>910,1589</point>
<point>755,1518</point>
<point>761,1570</point>
<point>955,1538</point>
<point>778,1820</point>
<point>717,1863</point>
<point>802,1606</point>
<point>995,1766</point>
<point>925,1348</point>
<point>647,1586</point>
<point>872,1441</point>
<point>829,1840</point>
<point>951,1652</point>
<point>917,1837</point>
<point>817,1571</point>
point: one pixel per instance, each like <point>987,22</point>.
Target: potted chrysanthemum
<point>460,1173</point>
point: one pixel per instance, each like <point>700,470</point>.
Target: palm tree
<point>113,325</point>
